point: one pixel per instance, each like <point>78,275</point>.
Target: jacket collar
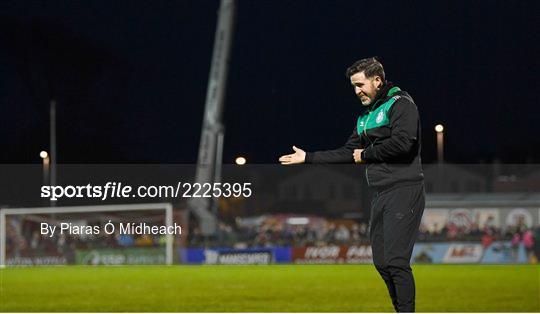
<point>387,91</point>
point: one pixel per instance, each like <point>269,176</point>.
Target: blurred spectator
<point>536,239</point>
<point>144,240</point>
<point>61,244</point>
<point>487,238</point>
<point>34,242</point>
<point>125,240</point>
<point>516,239</point>
<point>342,234</point>
<point>452,231</point>
<point>528,242</point>
<point>329,237</point>
<point>355,232</point>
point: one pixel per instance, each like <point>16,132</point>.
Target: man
<point>387,139</point>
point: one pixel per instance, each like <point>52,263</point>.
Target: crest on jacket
<point>380,117</point>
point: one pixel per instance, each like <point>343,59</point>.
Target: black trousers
<point>395,218</point>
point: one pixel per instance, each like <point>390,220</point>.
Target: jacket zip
<point>365,133</point>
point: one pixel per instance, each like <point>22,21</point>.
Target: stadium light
<point>240,161</point>
<point>46,168</point>
<point>439,128</point>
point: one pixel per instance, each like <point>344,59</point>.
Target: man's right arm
<point>343,154</point>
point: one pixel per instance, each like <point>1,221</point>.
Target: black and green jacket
<point>389,133</point>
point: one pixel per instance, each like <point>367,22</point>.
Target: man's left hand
<point>357,154</point>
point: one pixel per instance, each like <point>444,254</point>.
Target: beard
<point>365,100</point>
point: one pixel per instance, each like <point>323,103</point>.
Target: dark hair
<point>370,66</point>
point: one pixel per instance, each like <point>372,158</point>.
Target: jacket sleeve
<point>404,123</point>
<point>343,154</point>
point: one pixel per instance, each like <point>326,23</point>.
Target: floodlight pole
<point>210,147</point>
<point>439,129</point>
<point>52,168</point>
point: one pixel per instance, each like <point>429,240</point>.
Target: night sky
<point>130,77</point>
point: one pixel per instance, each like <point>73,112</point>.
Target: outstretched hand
<point>298,157</point>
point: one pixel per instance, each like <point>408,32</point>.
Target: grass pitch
<point>276,288</point>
